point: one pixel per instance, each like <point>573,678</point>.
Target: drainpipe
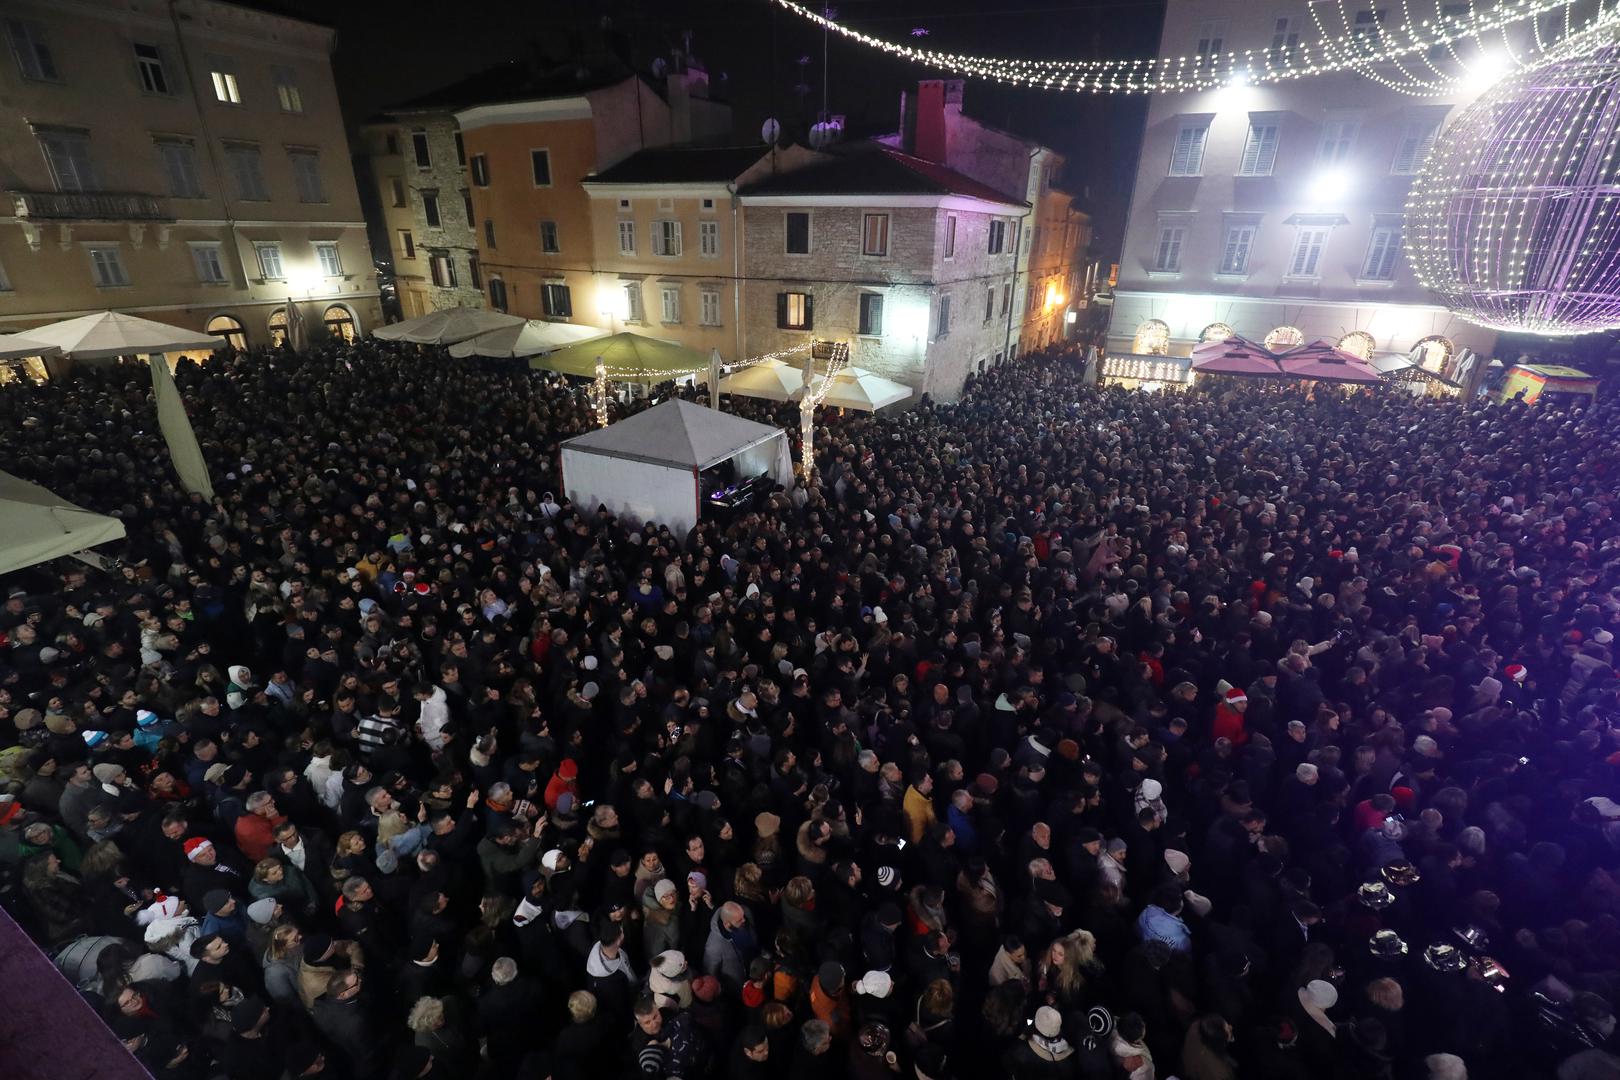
<point>208,141</point>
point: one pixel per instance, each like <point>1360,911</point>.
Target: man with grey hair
<point>256,829</point>
<point>506,1011</point>
<point>815,1042</point>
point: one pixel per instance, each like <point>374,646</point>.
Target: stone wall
<point>449,178</point>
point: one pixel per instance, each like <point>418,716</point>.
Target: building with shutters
<point>1275,210</point>
<point>186,162</point>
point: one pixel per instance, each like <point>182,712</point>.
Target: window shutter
<point>781,310</point>
<point>809,312</point>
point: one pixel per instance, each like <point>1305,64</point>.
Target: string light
<point>1513,220</point>
<point>1352,51</point>
<point>638,374</point>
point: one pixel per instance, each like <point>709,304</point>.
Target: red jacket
<point>256,835</point>
<point>1229,725</point>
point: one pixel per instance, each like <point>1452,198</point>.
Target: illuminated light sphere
<point>1152,338</point>
<point>1513,220</point>
<point>1216,331</point>
<point>1358,343</point>
<point>1284,337</point>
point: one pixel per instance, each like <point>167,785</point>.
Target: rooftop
<point>518,80</point>
<point>873,169</point>
<point>682,165</point>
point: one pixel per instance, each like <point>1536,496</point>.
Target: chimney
<point>931,139</point>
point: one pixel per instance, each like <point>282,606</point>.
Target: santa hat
<point>162,907</point>
<point>196,846</point>
<point>1236,696</point>
<point>1517,672</point>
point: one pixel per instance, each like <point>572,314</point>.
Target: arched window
<point>1216,331</point>
<point>1434,353</point>
<point>1284,337</point>
<point>229,329</point>
<point>1358,343</point>
<point>1152,338</point>
<point>278,327</point>
<point>497,294</point>
<point>340,324</point>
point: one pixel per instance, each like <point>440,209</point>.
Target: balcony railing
<point>87,206</point>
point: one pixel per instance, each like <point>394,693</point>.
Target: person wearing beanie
<point>1043,1053</point>
<point>829,998</point>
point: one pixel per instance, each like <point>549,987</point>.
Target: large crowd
<point>1062,732</point>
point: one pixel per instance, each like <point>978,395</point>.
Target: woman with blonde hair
<point>281,961</point>
<point>935,1015</point>
<point>1061,976</point>
<point>429,1021</point>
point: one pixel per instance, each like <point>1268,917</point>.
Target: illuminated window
<point>1358,343</point>
<point>277,324</point>
<point>1284,337</point>
<point>339,322</point>
<point>222,73</point>
<point>795,311</point>
<point>229,330</point>
<point>1433,353</point>
<point>1152,338</point>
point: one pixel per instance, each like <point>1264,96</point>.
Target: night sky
<point>391,50</point>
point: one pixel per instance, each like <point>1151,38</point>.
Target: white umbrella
<point>857,388</point>
<point>774,381</point>
<point>15,345</point>
<point>36,525</point>
<point>112,333</point>
<point>446,327</point>
<point>525,339</point>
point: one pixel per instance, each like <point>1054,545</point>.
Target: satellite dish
<point>770,131</point>
<point>659,66</point>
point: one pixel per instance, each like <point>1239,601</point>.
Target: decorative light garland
<point>1206,72</point>
<point>1513,220</point>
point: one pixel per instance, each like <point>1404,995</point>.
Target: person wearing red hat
<point>564,780</point>
<point>1229,717</point>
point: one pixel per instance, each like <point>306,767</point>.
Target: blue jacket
<point>1157,924</point>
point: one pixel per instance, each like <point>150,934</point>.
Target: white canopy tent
<point>852,387</point>
<point>112,333</point>
<point>36,526</point>
<point>774,381</point>
<point>646,468</point>
<point>447,327</point>
<point>526,339</point>
<point>14,345</point>
<point>857,388</point>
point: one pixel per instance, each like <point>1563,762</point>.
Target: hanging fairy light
<point>1356,50</point>
<point>1513,220</point>
<point>601,393</point>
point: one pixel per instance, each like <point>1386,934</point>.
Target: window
<point>1187,156</point>
<point>548,237</point>
<point>633,311</point>
<point>797,227</point>
<point>1235,252</point>
<point>1338,139</point>
<point>1367,29</point>
<point>461,150</point>
<point>709,238</point>
<point>1381,251</point>
<point>269,261</point>
<point>1284,337</point>
<point>222,73</point>
<point>998,236</point>
<point>149,65</point>
<point>248,172</point>
<point>467,209</point>
<point>306,166</point>
<point>327,257</point>
<point>1259,150</point>
<point>1413,149</point>
<point>795,310</point>
<point>666,205</point>
<point>480,170</point>
<point>1450,16</point>
<point>708,204</point>
<point>407,244</point>
<point>179,158</point>
<point>489,232</point>
<point>205,257</point>
<point>475,276</point>
<point>107,267</point>
<point>1152,338</point>
<point>287,95</point>
<point>397,187</point>
<point>950,236</point>
<point>497,294</point>
<point>1307,258</point>
<point>1006,297</point>
<point>5,281</point>
<point>419,146</point>
<point>871,314</point>
<point>1167,257</point>
<point>942,322</point>
<point>540,165</point>
<point>624,204</point>
<point>442,269</point>
<point>391,143</point>
<point>557,300</point>
<point>1211,37</point>
<point>875,235</point>
<point>666,236</point>
<point>229,330</point>
<point>671,295</point>
<point>67,154</point>
<point>709,307</point>
<point>277,325</point>
<point>28,46</point>
<point>1284,37</point>
<point>627,238</point>
<point>339,321</point>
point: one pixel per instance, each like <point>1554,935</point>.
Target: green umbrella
<point>628,357</point>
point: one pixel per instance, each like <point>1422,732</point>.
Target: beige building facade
<point>185,162</point>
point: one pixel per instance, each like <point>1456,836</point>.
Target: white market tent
<point>446,327</point>
<point>852,387</point>
<point>646,467</point>
<point>525,339</point>
<point>36,526</point>
<point>774,381</point>
<point>15,345</point>
<point>112,333</point>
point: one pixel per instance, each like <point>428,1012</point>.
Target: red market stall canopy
<point>1324,362</point>
<point>1236,356</point>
